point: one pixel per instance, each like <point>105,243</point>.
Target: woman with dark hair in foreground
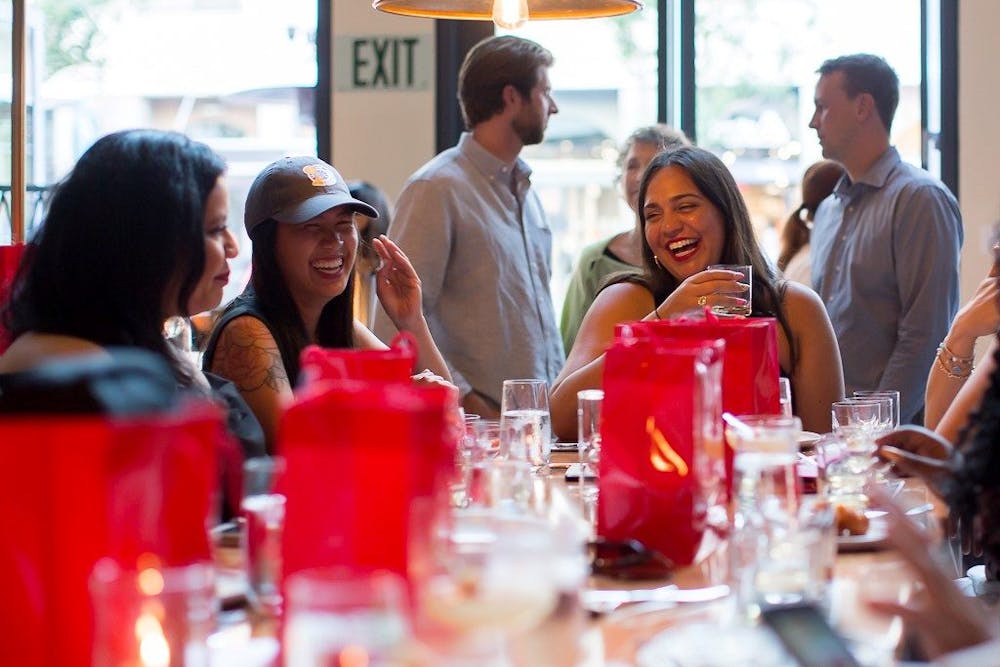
<point>135,234</point>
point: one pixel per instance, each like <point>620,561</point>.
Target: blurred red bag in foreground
<point>367,464</point>
<point>10,259</point>
<point>750,369</point>
<point>661,466</point>
<point>76,489</point>
<point>392,365</point>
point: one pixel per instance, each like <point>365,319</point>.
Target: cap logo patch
<point>320,175</point>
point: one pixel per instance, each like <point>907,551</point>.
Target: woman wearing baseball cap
<point>300,218</point>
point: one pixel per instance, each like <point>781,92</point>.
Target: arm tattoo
<point>250,359</point>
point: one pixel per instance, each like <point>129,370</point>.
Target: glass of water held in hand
<point>738,301</point>
<point>525,423</point>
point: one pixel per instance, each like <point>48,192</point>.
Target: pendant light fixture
<point>508,14</point>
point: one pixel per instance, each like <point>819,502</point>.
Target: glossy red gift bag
<point>367,464</point>
<point>750,370</point>
<point>10,259</point>
<point>77,489</point>
<point>661,466</point>
<point>392,365</point>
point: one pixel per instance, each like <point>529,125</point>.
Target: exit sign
<point>383,62</point>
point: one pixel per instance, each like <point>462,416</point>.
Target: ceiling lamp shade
<point>508,13</point>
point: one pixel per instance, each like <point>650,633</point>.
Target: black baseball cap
<point>297,189</point>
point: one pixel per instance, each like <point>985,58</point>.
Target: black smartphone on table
<point>807,636</point>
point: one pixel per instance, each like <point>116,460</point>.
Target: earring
<point>657,260</point>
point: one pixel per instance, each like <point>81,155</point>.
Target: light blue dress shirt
<point>885,262</point>
<point>477,236</point>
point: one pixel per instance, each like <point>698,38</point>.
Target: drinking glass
<point>844,460</point>
<point>893,396</point>
<point>345,617</point>
<point>588,419</point>
<point>765,476</point>
<point>746,294</point>
<point>785,396</point>
<point>263,509</point>
<point>153,616</point>
<point>525,422</point>
<point>493,577</point>
<point>866,414</point>
<point>763,556</point>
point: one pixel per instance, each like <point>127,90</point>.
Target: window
<point>754,112</point>
<point>604,82</point>
<point>239,75</point>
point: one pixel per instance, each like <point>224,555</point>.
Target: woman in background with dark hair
<point>817,184</point>
<point>693,216</point>
<point>300,217</point>
<point>367,265</point>
<point>135,234</point>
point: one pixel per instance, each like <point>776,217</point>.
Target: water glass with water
<point>785,396</point>
<point>588,420</point>
<point>263,510</point>
<point>525,422</point>
<point>728,306</point>
<point>845,460</point>
<point>765,475</point>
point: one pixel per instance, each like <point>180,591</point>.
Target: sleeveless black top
<point>244,304</point>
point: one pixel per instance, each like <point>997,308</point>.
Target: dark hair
<point>715,182</point>
<point>661,135</point>
<point>866,73</point>
<point>817,184</point>
<point>490,66</point>
<point>122,229</point>
<point>375,198</point>
<point>336,321</point>
<point>975,488</point>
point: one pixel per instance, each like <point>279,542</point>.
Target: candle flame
<point>353,655</point>
<point>150,582</point>
<point>154,651</point>
<point>664,457</point>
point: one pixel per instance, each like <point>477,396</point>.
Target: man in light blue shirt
<point>476,233</point>
<point>886,243</point>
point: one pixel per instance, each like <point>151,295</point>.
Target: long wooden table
<point>574,638</point>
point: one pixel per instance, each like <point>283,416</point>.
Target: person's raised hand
<point>915,450</point>
<point>978,317</point>
<point>397,285</point>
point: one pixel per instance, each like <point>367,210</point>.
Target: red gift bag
<point>10,260</point>
<point>393,365</point>
<point>77,489</point>
<point>661,463</point>
<point>750,369</point>
<point>367,464</point>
